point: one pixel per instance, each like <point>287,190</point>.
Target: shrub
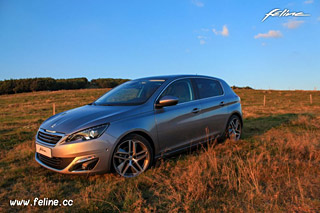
<point>40,84</point>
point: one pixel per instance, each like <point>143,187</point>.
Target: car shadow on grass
<point>252,127</point>
<point>258,126</point>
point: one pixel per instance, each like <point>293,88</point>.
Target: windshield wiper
<point>106,105</point>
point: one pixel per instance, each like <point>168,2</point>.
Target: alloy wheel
<point>234,129</point>
<point>131,158</point>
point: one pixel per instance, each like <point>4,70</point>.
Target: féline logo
<point>283,13</point>
<point>43,150</point>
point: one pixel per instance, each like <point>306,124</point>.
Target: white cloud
<point>205,29</point>
<point>318,18</point>
<point>224,32</point>
<point>202,39</point>
<point>198,3</point>
<point>270,34</point>
<point>308,1</point>
<point>292,24</point>
<point>263,43</point>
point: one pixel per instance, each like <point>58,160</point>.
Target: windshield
<point>130,93</point>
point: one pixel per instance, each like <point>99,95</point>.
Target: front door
<point>178,126</point>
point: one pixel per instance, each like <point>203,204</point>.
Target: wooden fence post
<point>264,100</point>
<point>310,99</point>
<point>54,109</point>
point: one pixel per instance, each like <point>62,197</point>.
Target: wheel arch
<point>141,133</point>
<point>146,136</point>
<point>237,114</point>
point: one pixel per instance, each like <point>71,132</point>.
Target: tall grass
<point>275,167</point>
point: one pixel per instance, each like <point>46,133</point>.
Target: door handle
<point>195,110</point>
<point>221,103</point>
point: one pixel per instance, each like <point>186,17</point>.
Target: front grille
<point>56,163</point>
<point>48,138</point>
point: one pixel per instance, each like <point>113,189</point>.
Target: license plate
<point>43,150</point>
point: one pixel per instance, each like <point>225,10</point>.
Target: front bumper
<point>101,166</point>
<point>72,158</point>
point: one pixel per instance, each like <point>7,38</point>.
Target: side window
<point>181,89</point>
<point>208,88</point>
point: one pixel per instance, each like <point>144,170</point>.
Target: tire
<point>132,156</point>
<point>234,129</point>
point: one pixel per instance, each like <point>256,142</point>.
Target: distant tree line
<point>247,87</point>
<point>40,84</point>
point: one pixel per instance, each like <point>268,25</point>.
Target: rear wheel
<point>234,128</point>
<point>132,156</point>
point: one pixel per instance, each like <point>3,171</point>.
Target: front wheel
<point>234,128</point>
<point>132,156</point>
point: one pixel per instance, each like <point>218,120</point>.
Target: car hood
<point>87,116</point>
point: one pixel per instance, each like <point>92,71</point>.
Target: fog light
<point>91,157</point>
<point>89,164</point>
<point>86,163</point>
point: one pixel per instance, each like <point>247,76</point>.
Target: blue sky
<point>132,39</point>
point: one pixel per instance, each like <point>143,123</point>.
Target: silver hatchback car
<point>137,122</point>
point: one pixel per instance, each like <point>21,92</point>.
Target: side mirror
<point>167,101</point>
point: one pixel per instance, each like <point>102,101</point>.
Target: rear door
<point>213,107</point>
<point>179,125</point>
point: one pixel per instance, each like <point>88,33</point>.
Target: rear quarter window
<point>208,88</point>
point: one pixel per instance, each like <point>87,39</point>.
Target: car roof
<point>172,77</point>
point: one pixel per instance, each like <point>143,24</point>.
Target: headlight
<point>88,134</point>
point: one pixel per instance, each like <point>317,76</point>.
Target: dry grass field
<point>275,167</point>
